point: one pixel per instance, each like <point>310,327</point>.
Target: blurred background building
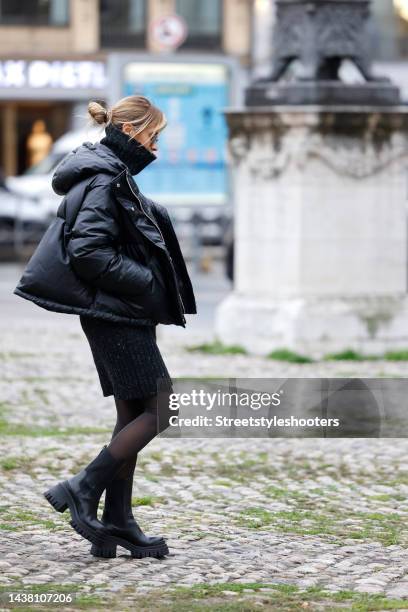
<point>56,55</point>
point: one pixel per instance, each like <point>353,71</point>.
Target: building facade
<point>54,54</point>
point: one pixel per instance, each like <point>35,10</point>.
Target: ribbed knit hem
<point>130,151</point>
<point>127,359</point>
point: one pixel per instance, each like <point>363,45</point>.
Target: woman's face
<point>147,137</point>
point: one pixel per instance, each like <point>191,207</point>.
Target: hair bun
<point>98,113</point>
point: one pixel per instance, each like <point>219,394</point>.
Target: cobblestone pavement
<point>263,525</point>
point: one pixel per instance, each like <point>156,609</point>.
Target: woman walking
<point>112,257</point>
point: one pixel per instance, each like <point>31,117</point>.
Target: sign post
<point>168,32</point>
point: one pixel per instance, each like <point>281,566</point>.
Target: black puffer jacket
<point>110,253</point>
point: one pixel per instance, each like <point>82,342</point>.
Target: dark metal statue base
<point>263,93</point>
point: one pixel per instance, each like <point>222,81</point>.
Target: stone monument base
<point>322,92</point>
<point>314,326</point>
<point>320,230</point>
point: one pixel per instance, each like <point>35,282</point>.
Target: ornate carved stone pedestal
<point>320,229</point>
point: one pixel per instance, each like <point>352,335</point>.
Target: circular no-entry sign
<point>169,32</point>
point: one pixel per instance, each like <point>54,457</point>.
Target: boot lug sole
<point>60,499</point>
<point>108,549</point>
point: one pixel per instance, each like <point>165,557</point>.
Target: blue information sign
<point>191,164</point>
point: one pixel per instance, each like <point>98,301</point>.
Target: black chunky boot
<point>82,492</point>
<point>121,528</point>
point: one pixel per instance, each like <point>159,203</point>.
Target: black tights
<point>126,411</point>
<point>138,421</point>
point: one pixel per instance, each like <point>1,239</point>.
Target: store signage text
<point>59,74</point>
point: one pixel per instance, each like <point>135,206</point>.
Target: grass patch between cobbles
<point>8,428</point>
<point>148,500</point>
<point>216,347</point>
<point>216,597</point>
<point>82,599</point>
<point>319,510</point>
<point>16,519</point>
<point>233,597</point>
<point>385,528</point>
<point>283,354</point>
<point>32,431</point>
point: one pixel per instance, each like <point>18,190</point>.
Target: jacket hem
<point>78,310</point>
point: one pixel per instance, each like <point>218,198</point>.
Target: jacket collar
<point>131,152</point>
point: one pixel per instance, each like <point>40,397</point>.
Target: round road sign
<point>169,32</point>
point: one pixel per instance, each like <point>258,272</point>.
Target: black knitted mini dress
<point>127,359</point>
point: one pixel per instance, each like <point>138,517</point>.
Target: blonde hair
<point>137,110</point>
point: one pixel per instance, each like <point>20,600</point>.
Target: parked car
<point>35,182</point>
<point>21,218</point>
<point>27,202</point>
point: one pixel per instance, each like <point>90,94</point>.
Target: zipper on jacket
<point>171,261</point>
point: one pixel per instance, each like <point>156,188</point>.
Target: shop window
<point>390,29</point>
<point>123,23</point>
<point>204,22</point>
<point>401,7</point>
<point>34,12</point>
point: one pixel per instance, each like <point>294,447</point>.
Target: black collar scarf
<point>131,152</point>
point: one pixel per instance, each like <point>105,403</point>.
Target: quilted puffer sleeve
<point>94,248</point>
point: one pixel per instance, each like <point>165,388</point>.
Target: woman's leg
<point>141,430</point>
<point>126,412</point>
<point>117,514</point>
<point>82,492</point>
<point>118,494</point>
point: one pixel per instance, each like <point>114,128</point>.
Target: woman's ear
<point>127,128</point>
